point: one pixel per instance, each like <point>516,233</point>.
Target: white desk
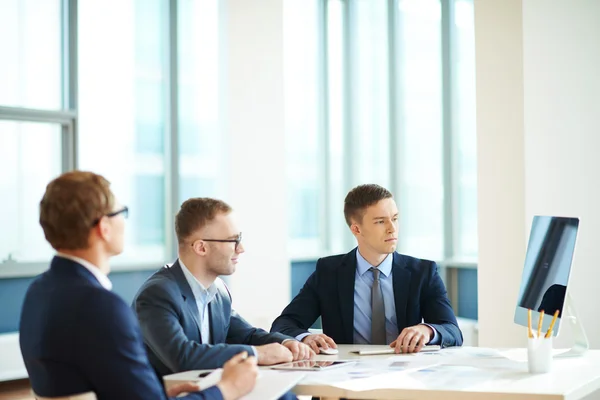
<point>457,373</point>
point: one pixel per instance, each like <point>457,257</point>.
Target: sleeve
<point>302,312</point>
<point>240,331</point>
<point>165,336</point>
<point>437,311</point>
<point>111,354</point>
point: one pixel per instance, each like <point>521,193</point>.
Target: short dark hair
<point>195,213</point>
<point>70,206</point>
<point>361,197</point>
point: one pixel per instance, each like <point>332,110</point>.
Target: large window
<point>123,113</point>
<point>201,163</point>
<point>383,94</point>
<point>128,89</point>
<point>30,156</point>
<point>31,68</point>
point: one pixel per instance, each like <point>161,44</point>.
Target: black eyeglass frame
<point>237,241</point>
<point>124,210</point>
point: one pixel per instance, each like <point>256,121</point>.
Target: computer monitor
<point>547,269</point>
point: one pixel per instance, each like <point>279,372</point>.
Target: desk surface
<point>454,373</point>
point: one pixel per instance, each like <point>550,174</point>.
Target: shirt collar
<point>197,288</point>
<point>97,272</point>
<point>363,265</point>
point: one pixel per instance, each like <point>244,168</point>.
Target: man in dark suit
<point>372,295</point>
<point>185,309</point>
<point>76,335</point>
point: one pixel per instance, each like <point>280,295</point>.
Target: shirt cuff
<point>255,352</point>
<point>436,338</point>
<point>287,340</point>
<point>302,336</point>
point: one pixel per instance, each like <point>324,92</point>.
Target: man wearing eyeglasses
<point>76,335</point>
<point>185,309</point>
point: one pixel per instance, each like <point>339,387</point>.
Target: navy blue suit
<point>169,318</point>
<point>78,337</point>
<point>419,294</point>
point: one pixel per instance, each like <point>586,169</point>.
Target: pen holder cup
<point>539,355</point>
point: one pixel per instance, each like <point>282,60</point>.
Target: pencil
<point>529,331</point>
<point>549,333</point>
<point>539,332</point>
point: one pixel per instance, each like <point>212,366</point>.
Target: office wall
<point>501,163</point>
<point>555,151</point>
<point>255,128</point>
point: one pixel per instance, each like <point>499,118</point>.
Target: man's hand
<point>319,340</point>
<point>180,388</point>
<point>300,351</point>
<point>412,339</point>
<point>239,376</point>
<point>273,353</point>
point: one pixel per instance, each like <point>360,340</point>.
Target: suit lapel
<point>401,283</point>
<point>186,294</point>
<point>217,325</point>
<point>346,275</point>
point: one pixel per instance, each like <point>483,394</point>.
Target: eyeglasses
<point>124,211</point>
<point>237,240</point>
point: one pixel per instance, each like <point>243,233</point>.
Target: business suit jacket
<point>78,337</point>
<point>169,317</point>
<point>419,293</point>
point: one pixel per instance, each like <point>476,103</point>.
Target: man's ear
<point>103,229</point>
<point>355,229</point>
<point>200,247</point>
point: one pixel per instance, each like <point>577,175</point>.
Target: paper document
<point>388,350</point>
<point>270,385</point>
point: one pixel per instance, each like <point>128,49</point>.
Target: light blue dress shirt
<point>362,301</point>
<point>203,298</point>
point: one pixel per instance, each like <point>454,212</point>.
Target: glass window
<point>305,163</point>
<point>201,158</point>
<point>30,157</point>
<point>369,88</point>
<point>340,239</point>
<point>31,67</point>
<point>123,108</point>
<point>421,195</point>
<point>464,129</point>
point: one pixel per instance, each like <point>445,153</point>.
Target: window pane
<point>30,71</point>
<point>200,139</point>
<point>30,157</point>
<point>464,129</point>
<point>341,239</point>
<point>123,112</point>
<point>302,119</point>
<point>420,120</point>
<point>370,93</point>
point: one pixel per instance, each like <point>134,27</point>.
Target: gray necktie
<point>377,311</point>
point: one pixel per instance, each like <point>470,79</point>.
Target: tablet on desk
<point>310,365</point>
<point>371,352</point>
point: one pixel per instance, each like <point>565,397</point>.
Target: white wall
<point>556,154</point>
<point>500,157</point>
<point>255,127</point>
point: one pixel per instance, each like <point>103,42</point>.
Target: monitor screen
<point>547,269</point>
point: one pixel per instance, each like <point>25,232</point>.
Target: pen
<point>539,331</point>
<point>529,331</point>
<point>549,333</point>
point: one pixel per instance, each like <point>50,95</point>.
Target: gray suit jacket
<point>169,318</point>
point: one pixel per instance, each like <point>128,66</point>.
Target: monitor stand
<point>581,343</point>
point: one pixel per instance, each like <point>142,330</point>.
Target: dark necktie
<point>377,311</point>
